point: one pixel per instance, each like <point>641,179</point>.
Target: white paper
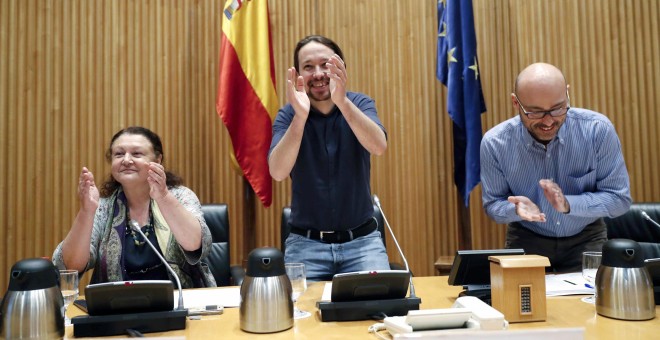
<point>566,284</point>
<point>200,298</point>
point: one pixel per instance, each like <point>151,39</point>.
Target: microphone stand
<point>646,216</point>
<point>134,225</point>
<point>403,257</point>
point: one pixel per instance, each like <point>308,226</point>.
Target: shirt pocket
<point>580,183</point>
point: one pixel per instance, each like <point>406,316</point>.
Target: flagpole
<point>464,224</point>
<point>249,219</point>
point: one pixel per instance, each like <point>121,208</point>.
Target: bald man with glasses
<point>553,172</point>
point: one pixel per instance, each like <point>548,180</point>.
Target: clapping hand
<point>338,78</point>
<point>554,195</point>
<point>526,209</point>
<point>88,193</point>
<point>157,180</point>
<point>296,94</point>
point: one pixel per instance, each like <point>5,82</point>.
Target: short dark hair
<point>110,185</point>
<point>319,39</point>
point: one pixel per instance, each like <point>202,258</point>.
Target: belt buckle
<point>322,233</point>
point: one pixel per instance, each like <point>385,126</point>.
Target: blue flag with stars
<point>458,70</point>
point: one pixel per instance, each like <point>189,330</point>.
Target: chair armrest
<point>237,275</point>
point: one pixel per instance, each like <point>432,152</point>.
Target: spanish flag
<point>246,99</point>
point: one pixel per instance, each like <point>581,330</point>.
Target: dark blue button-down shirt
<point>330,179</point>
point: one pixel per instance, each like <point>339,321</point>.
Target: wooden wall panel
<point>74,72</point>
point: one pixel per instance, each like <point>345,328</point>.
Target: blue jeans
<point>323,260</point>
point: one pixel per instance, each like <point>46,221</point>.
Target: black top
<point>140,261</point>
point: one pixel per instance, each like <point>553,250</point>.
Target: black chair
<point>632,225</point>
<point>217,219</point>
<point>286,230</point>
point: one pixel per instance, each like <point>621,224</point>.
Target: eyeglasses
<point>540,114</point>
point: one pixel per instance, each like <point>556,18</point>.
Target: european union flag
<point>458,69</point>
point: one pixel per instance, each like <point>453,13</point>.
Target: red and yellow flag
<point>247,100</point>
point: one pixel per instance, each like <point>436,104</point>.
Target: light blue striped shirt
<point>584,159</point>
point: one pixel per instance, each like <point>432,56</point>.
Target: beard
<point>542,135</point>
<point>319,96</point>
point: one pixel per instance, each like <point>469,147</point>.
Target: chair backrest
<point>632,225</point>
<point>217,219</point>
<point>286,228</point>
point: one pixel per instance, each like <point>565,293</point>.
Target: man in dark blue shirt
<point>323,138</point>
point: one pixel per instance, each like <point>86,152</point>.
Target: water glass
<point>69,288</point>
<point>590,264</point>
<point>298,278</point>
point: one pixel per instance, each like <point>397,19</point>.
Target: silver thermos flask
<point>32,307</point>
<point>623,285</point>
<point>266,304</point>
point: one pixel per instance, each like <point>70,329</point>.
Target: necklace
<point>149,228</point>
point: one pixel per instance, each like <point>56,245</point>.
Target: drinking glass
<point>296,274</point>
<point>69,288</point>
<point>590,264</point>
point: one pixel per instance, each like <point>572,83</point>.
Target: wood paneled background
<point>73,72</point>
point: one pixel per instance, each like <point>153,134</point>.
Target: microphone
<point>135,226</point>
<point>646,216</point>
<point>403,257</point>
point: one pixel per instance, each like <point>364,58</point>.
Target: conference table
<point>562,312</point>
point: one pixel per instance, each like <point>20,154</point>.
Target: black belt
<point>338,236</point>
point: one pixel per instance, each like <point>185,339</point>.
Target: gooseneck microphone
<point>646,216</point>
<point>403,257</point>
<point>135,226</point>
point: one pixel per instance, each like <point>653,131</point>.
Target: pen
<point>573,283</point>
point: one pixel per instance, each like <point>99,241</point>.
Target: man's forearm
<point>284,155</point>
<point>368,133</point>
